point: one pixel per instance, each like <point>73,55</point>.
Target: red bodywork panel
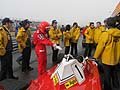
<point>92,81</point>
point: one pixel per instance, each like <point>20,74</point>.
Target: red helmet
<point>43,26</point>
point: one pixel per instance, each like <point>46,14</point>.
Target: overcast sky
<point>64,11</point>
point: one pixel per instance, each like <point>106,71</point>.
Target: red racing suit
<point>40,41</point>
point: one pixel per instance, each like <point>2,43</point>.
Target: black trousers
<point>74,48</point>
<point>110,73</point>
<point>88,49</point>
<point>55,53</point>
<point>6,66</point>
<point>26,58</point>
<point>67,48</point>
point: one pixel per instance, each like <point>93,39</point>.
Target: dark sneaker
<point>24,71</point>
<point>19,62</point>
<point>2,78</point>
<point>30,69</point>
<point>13,77</point>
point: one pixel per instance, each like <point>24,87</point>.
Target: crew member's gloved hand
<point>95,60</point>
<point>99,65</point>
<point>57,47</point>
<point>54,45</point>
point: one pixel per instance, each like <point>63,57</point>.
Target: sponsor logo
<point>70,83</point>
<point>55,79</point>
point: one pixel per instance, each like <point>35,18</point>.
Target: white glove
<point>54,45</point>
<point>57,47</point>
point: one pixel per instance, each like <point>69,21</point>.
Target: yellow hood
<point>114,32</point>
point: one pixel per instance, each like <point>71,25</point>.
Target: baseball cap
<point>54,22</point>
<point>6,20</point>
<point>24,22</point>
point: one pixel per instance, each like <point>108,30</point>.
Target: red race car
<point>70,74</point>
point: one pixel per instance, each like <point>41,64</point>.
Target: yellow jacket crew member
<point>6,49</point>
<point>55,34</point>
<point>67,36</point>
<point>89,33</point>
<point>75,31</point>
<point>108,49</point>
<point>98,31</point>
<point>24,44</point>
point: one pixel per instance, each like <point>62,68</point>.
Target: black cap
<point>105,20</point>
<point>5,20</point>
<point>111,22</point>
<point>27,21</point>
<point>24,22</point>
<point>54,22</point>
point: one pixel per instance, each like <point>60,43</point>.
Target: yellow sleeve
<point>29,30</point>
<point>52,35</point>
<point>87,33</point>
<point>0,34</point>
<point>78,34</point>
<point>115,33</point>
<point>67,35</point>
<point>101,44</point>
<point>1,39</point>
<point>64,34</point>
<point>19,37</point>
<point>71,31</point>
<point>59,34</point>
<point>1,45</point>
<point>95,35</point>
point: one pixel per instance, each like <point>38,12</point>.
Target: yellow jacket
<point>108,48</point>
<point>67,36</point>
<point>21,38</point>
<point>89,33</point>
<point>98,31</point>
<point>75,32</point>
<point>3,41</point>
<point>55,35</point>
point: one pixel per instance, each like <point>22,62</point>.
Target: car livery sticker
<point>70,83</point>
<point>55,80</point>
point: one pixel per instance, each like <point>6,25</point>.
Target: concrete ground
<point>33,74</point>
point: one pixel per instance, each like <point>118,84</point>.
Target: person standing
<point>75,31</point>
<point>55,35</point>
<point>89,34</point>
<point>117,18</point>
<point>19,59</point>
<point>6,49</point>
<point>98,31</point>
<point>24,44</point>
<point>67,36</point>
<point>40,41</point>
<point>108,49</point>
<point>62,30</point>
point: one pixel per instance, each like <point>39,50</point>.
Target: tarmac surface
<point>33,63</point>
<point>33,74</point>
